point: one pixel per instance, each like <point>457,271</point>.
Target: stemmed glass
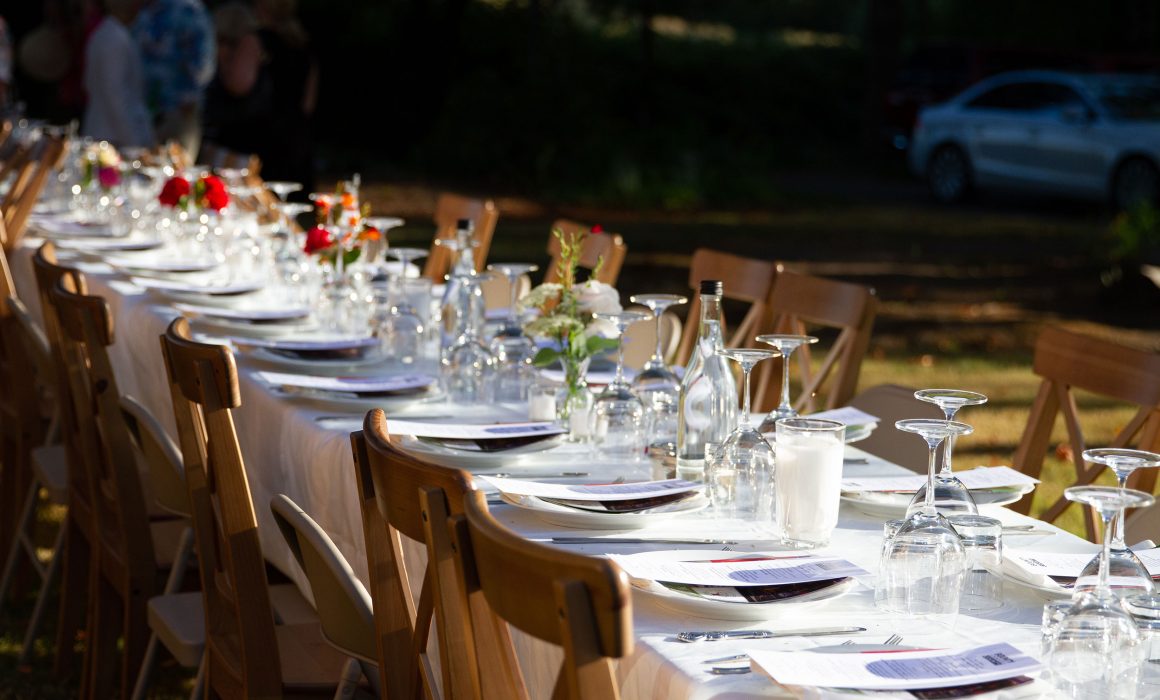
<point>376,250</point>
<point>921,572</point>
<point>1095,649</point>
<point>746,459</point>
<point>407,256</point>
<point>618,423</point>
<point>513,350</point>
<point>785,345</point>
<point>282,190</point>
<point>1129,573</point>
<point>468,365</point>
<point>657,385</point>
<point>403,329</point>
<point>950,495</point>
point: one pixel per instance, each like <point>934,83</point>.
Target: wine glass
<point>407,257</point>
<point>468,365</point>
<point>618,422</point>
<point>657,385</point>
<point>746,457</point>
<point>950,495</point>
<point>512,349</point>
<point>402,331</point>
<point>1129,573</point>
<point>785,345</point>
<point>922,567</point>
<point>281,189</point>
<point>1095,649</point>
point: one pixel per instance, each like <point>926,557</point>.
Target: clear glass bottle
<point>708,399</point>
<point>457,296</point>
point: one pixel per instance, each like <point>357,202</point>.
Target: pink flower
<point>108,176</point>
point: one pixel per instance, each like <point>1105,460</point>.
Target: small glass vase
<point>574,402</point>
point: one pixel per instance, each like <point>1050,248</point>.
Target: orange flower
<point>370,233</point>
<point>352,220</point>
<point>323,204</point>
<point>347,200</point>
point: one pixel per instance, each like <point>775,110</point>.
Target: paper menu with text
<point>904,670</point>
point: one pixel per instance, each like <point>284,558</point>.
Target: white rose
<point>597,297</point>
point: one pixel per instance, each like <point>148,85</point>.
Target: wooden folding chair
<point>1066,361</point>
<point>126,560</point>
<point>28,185</point>
<point>78,555</point>
<point>606,249</point>
<point>746,280</point>
<point>449,209</point>
<point>404,497</point>
<point>799,302</point>
<point>246,655</point>
<point>578,602</point>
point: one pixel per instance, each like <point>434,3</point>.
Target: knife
<point>764,634</point>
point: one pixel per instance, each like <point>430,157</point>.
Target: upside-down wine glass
<point>921,572</point>
<point>619,421</point>
<point>747,460</point>
<point>1125,568</point>
<point>512,349</point>
<point>1095,651</point>
<point>950,495</point>
<point>657,385</point>
<point>376,249</point>
<point>785,345</point>
<point>406,257</point>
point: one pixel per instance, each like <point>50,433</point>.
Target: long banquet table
<point>288,450</point>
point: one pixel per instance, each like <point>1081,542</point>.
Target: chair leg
<point>198,692</point>
<point>135,627</point>
<point>15,550</point>
<point>46,587</point>
<point>348,685</point>
<point>74,596</point>
<point>172,584</point>
<point>104,628</point>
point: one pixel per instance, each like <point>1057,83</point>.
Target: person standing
<point>293,69</point>
<point>177,47</point>
<point>116,110</point>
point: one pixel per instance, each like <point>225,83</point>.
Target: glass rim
<point>811,425</point>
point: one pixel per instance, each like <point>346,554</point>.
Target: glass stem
<point>745,421</point>
<point>620,357</point>
<point>1105,559</point>
<point>1117,532</point>
<point>785,380</point>
<point>928,506</point>
<point>657,354</point>
<point>950,444</point>
<point>513,287</point>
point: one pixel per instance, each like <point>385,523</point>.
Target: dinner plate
<point>1050,593</point>
<point>676,600</point>
<point>592,520</point>
<point>508,460</point>
<point>103,245</point>
<point>253,314</point>
<point>348,403</point>
<point>310,365</point>
<point>69,227</point>
<point>199,288</point>
<point>161,263</point>
<point>224,327</point>
<point>894,504</point>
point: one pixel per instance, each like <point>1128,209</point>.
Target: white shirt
<point>116,111</point>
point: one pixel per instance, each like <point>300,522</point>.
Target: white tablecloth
<point>288,451</point>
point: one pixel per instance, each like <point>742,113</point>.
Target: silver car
<point>1078,135</point>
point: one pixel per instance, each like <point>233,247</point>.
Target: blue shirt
<point>177,50</point>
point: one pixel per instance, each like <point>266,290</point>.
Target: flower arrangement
<point>340,224</point>
<point>102,166</point>
<point>565,317</point>
<point>207,192</point>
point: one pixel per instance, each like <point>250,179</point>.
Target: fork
<point>893,641</point>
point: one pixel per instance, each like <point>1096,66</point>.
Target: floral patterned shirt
<point>177,48</point>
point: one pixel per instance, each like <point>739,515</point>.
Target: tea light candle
<point>542,404</point>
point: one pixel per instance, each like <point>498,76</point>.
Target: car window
<point>1134,101</point>
<point>1028,97</point>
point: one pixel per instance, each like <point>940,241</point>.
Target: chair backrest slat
<point>605,249</point>
<point>798,302</point>
<point>577,602</point>
<point>449,209</point>
<point>746,280</point>
<point>241,648</point>
<point>29,184</point>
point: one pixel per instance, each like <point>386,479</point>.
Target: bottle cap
<point>714,287</point>
<point>463,224</point>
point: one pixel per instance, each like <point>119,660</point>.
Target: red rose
<point>108,176</point>
<point>597,229</point>
<point>216,197</point>
<point>317,239</point>
<point>174,189</point>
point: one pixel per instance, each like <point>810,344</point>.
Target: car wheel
<point>1136,181</point>
<point>948,173</point>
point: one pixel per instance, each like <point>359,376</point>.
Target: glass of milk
<point>808,479</point>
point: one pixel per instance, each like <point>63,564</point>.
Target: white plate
<point>320,366</point>
<point>199,288</point>
<point>1048,593</point>
<point>223,327</point>
<point>541,445</point>
<point>687,604</point>
<point>857,433</point>
<point>252,314</point>
<point>69,227</point>
<point>591,520</point>
<point>102,245</point>
<point>160,263</point>
<point>326,401</point>
<point>471,461</point>
<point>894,505</point>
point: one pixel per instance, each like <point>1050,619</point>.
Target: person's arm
<point>199,55</point>
<point>239,72</point>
